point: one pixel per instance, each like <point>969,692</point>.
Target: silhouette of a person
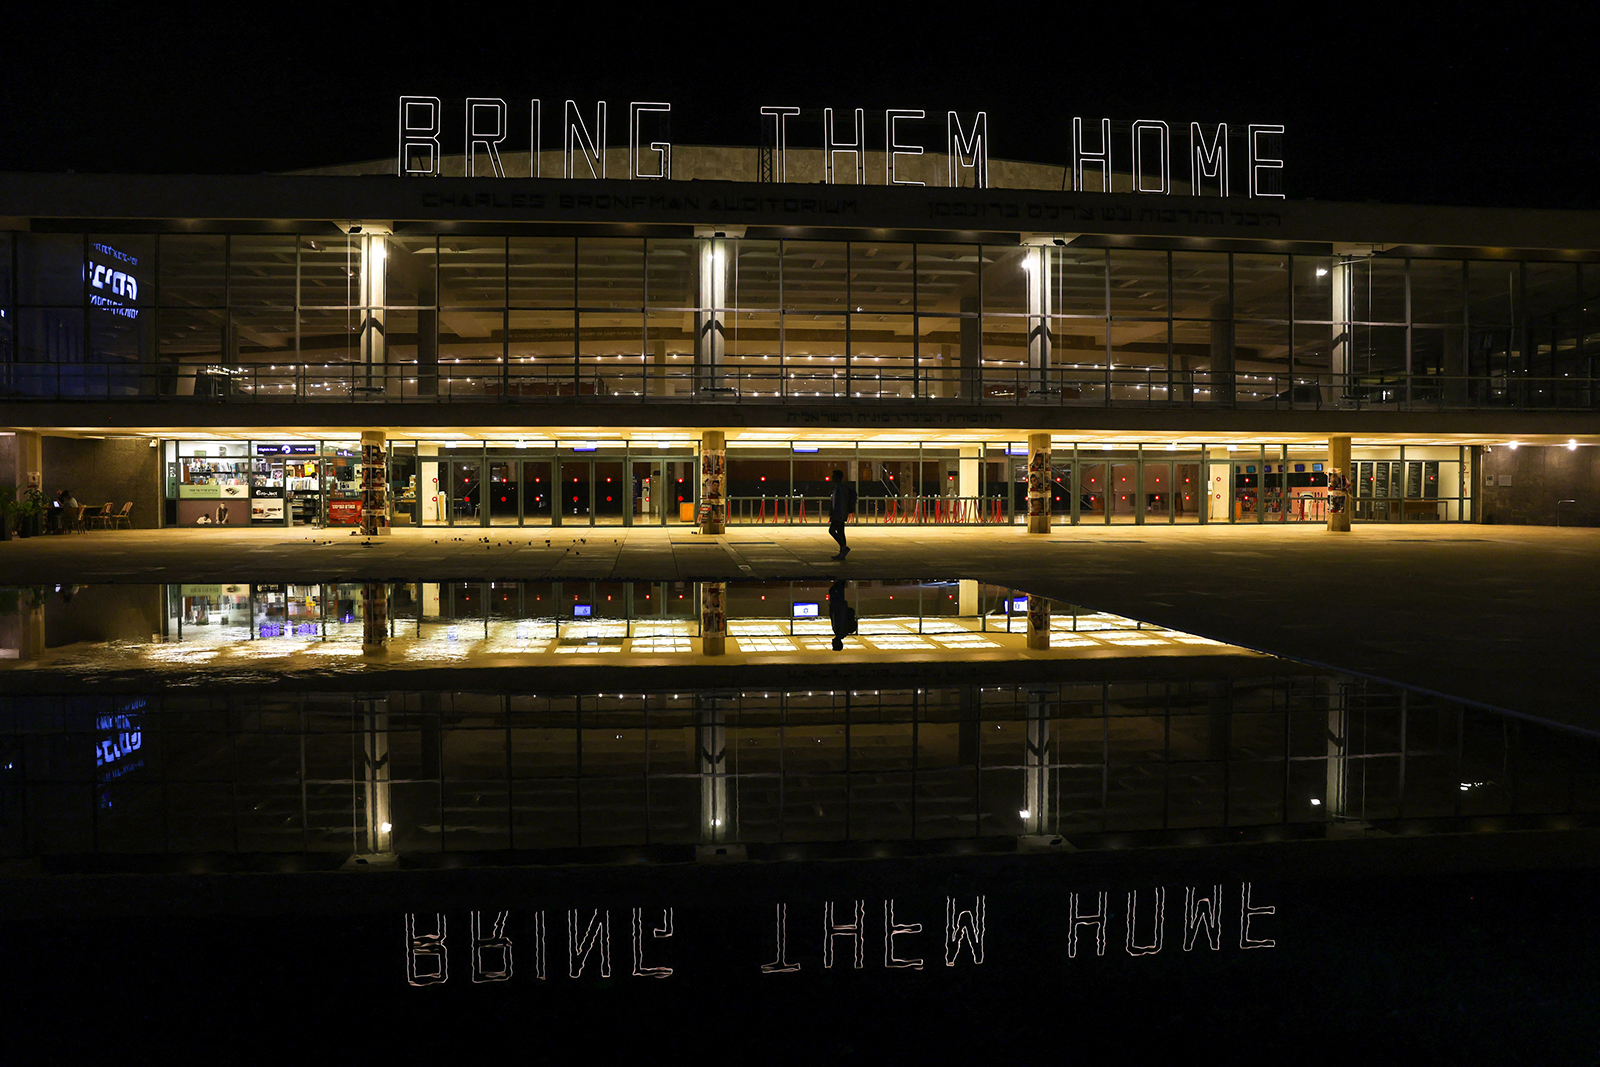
<point>840,614</point>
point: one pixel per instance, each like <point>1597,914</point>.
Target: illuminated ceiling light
<point>1572,445</point>
<point>1512,445</point>
<point>1322,272</point>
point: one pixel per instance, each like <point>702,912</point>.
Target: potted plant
<point>30,512</point>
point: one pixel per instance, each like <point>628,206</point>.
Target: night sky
<point>1494,107</point>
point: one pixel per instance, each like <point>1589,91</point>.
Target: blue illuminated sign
<point>582,611</point>
<point>805,611</point>
<point>113,282</point>
<point>120,737</point>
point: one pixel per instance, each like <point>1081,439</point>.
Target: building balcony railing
<point>591,384</point>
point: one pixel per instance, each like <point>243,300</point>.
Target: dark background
<point>1487,105</point>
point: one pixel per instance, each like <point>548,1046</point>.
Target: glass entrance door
<point>1157,491</point>
<point>503,493</point>
<point>1124,494</point>
<point>576,490</point>
<point>536,492</point>
<point>611,492</point>
<point>465,494</point>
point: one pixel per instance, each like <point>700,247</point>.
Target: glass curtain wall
<point>334,315</point>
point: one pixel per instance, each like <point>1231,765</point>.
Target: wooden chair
<point>77,519</point>
<point>101,519</point>
<point>121,518</point>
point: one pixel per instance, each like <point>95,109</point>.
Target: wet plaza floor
<point>848,814</point>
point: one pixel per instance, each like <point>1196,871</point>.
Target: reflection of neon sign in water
<point>112,280</point>
<point>120,737</point>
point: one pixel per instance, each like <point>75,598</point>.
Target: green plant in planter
<point>31,511</point>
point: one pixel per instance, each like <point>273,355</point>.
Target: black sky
<point>1481,106</point>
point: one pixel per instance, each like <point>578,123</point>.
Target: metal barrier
<point>620,382</point>
<point>870,510</point>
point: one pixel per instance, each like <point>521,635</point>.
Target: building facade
<point>278,350</point>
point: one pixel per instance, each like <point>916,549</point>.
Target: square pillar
<point>1038,483</point>
<point>1339,485</point>
<point>713,486</point>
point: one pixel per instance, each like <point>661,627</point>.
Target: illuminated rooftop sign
<point>1149,152</point>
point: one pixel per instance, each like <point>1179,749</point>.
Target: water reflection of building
<point>1118,760</point>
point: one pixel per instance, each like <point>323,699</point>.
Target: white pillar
<point>711,755</point>
<point>710,334</point>
<point>433,496</point>
<point>1036,264</point>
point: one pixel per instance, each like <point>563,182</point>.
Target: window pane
<point>947,278</point>
<point>330,269</point>
<point>194,270</point>
<point>1313,288</point>
<point>472,272</point>
<point>673,271</point>
<point>881,276</point>
<point>541,272</point>
<point>50,268</point>
<point>755,274</point>
<point>1005,279</point>
<point>1139,284</point>
<point>1436,291</point>
<point>409,264</point>
<point>261,271</point>
<point>1078,282</point>
<point>1491,293</point>
<point>1200,285</point>
<point>815,276</point>
<point>611,273</point>
<point>1260,287</point>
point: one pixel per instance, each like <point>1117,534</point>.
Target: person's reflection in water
<point>841,614</point>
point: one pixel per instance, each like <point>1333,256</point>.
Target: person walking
<point>841,505</point>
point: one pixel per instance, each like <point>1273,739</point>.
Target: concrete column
<point>1035,814</point>
<point>374,482</point>
<point>1036,264</point>
<point>1039,483</point>
<point>710,333</point>
<point>433,496</point>
<point>971,354</point>
<point>968,482</point>
<point>1333,390</point>
<point>713,618</point>
<point>657,384</point>
<point>374,351</point>
<point>1339,485</point>
<point>30,460</point>
<point>713,483</point>
<point>1038,622</point>
<point>374,618</point>
<point>1223,386</point>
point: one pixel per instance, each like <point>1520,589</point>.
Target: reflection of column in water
<point>375,775</point>
<point>711,758</point>
<point>1038,622</point>
<point>1036,815</point>
<point>1335,800</point>
<point>374,616</point>
<point>713,618</point>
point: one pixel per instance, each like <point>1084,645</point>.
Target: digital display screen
<point>805,611</point>
<point>1316,467</point>
<point>582,611</point>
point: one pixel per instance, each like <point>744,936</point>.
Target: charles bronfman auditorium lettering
<point>1147,151</point>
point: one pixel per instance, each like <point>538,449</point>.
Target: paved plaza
<point>1504,616</point>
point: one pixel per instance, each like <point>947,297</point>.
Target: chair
<point>121,518</point>
<point>77,519</point>
<point>101,519</point>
